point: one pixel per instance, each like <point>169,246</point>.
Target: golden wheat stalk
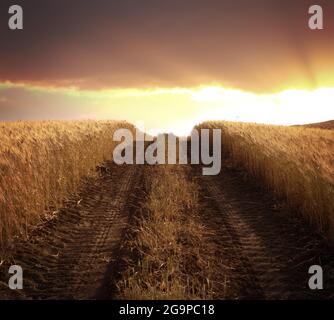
<point>41,163</point>
<point>295,162</point>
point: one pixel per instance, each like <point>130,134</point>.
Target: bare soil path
<point>71,257</point>
<point>264,250</point>
<point>256,247</point>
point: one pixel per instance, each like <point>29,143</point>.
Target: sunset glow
<point>168,64</point>
<point>173,109</point>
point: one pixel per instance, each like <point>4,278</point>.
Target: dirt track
<point>265,251</point>
<point>71,256</point>
<point>260,250</point>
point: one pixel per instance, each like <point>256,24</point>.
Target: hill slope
<point>329,125</point>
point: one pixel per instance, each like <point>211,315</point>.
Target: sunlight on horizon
<point>177,110</point>
<point>289,107</point>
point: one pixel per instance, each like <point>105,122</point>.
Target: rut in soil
<point>264,248</point>
<point>71,256</point>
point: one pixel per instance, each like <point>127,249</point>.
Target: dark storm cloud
<point>254,45</point>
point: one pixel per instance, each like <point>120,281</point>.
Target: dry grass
<point>169,241</point>
<point>41,163</point>
<point>296,162</point>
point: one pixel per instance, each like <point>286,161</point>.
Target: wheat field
<point>41,163</point>
<point>296,163</point>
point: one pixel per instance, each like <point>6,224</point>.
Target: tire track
<point>69,257</point>
<point>268,250</point>
<point>101,246</point>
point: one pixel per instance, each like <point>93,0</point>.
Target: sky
<point>167,64</point>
